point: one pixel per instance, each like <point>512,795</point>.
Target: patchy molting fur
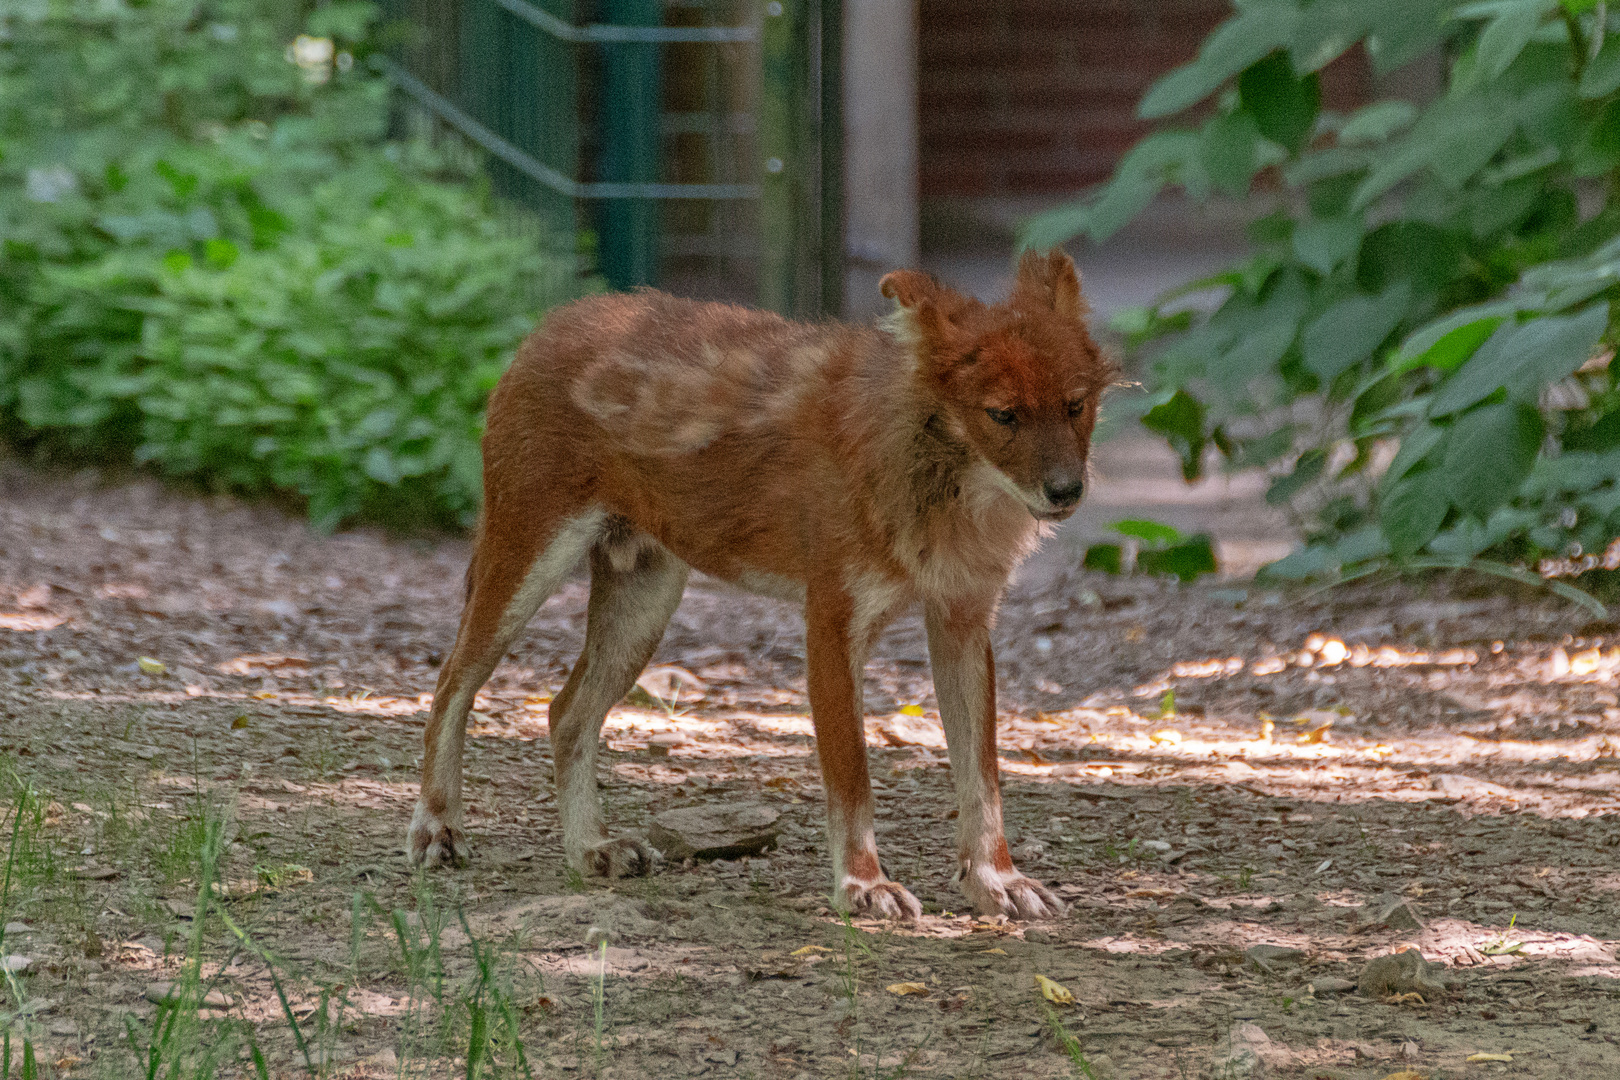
<point>855,469</point>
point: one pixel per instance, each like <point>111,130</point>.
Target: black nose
<point>1064,492</point>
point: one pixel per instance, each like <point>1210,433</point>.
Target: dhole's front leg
<point>965,684</point>
<point>833,660</point>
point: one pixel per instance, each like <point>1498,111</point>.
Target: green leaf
<point>1411,511</point>
<point>1302,564</point>
<point>1229,152</point>
<point>1522,357</point>
<point>1489,453</point>
<point>1422,254</point>
<point>1600,436</point>
<point>1325,245</point>
<point>1348,332</point>
<point>220,253</point>
<point>1159,159</point>
<point>346,20</point>
<point>1328,28</point>
<point>1151,531</point>
<point>1108,558</point>
<point>1262,333</point>
<point>1283,104</point>
<point>1375,123</point>
<point>1181,421</point>
<point>1187,560</point>
<point>1505,37</point>
<point>1446,343</point>
<point>1306,469</point>
<point>1257,29</point>
<point>1456,137</point>
<point>1418,444</point>
<point>1402,30</point>
<point>1602,74</point>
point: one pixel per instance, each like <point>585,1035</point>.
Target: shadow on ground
<point>1197,771</point>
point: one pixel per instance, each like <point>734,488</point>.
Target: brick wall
<point>1037,97</point>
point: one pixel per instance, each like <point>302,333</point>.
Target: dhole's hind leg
<point>636,584</point>
<point>515,567</point>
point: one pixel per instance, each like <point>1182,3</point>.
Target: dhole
<point>854,470</point>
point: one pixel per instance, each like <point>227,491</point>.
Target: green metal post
<point>486,71</point>
<point>782,146</point>
<point>832,157</point>
<point>631,132</point>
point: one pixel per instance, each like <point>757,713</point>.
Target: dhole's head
<point>1017,383</point>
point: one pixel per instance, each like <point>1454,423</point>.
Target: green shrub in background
<point>213,260</point>
<point>1418,346</point>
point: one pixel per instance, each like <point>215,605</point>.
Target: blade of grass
<point>275,982</point>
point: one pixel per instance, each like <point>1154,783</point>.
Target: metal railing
<point>577,119</point>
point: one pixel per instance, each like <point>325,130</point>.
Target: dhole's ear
<point>1050,281</point>
<point>917,315</point>
<point>908,288</point>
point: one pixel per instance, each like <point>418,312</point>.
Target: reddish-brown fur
<point>856,469</point>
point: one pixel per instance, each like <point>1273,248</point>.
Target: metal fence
<point>698,141</point>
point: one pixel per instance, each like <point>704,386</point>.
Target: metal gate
<point>698,141</point>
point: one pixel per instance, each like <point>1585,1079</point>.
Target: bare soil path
<point>1450,747</point>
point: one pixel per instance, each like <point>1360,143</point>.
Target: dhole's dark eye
<point>1004,417</point>
<point>1076,407</point>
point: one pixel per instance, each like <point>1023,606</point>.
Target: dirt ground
<point>166,660</point>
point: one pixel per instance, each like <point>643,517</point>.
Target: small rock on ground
<point>159,992</point>
<point>1245,1056</point>
<point>1270,957</point>
<point>1393,912</point>
<point>1399,973</point>
<point>715,832</point>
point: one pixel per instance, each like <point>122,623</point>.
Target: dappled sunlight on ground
<point>1197,772</point>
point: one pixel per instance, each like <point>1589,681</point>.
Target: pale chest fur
<point>968,546</point>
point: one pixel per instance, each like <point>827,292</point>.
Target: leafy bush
<point>1160,549</point>
<point>1418,345</point>
<point>213,260</point>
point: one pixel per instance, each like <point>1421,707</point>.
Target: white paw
<point>622,857</point>
<point>882,898</point>
<point>432,841</point>
<point>1009,893</point>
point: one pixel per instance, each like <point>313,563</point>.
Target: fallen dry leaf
<point>808,949</point>
<point>262,663</point>
<point>992,952</point>
<point>905,988</point>
<point>1476,1058</point>
<point>1166,737</point>
<point>1056,993</point>
<point>1406,1074</point>
<point>151,666</point>
<point>28,623</point>
<point>667,681</point>
<point>911,710</point>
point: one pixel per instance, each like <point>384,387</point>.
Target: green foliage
<point>212,259</point>
<point>1417,345</point>
<point>1160,550</point>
